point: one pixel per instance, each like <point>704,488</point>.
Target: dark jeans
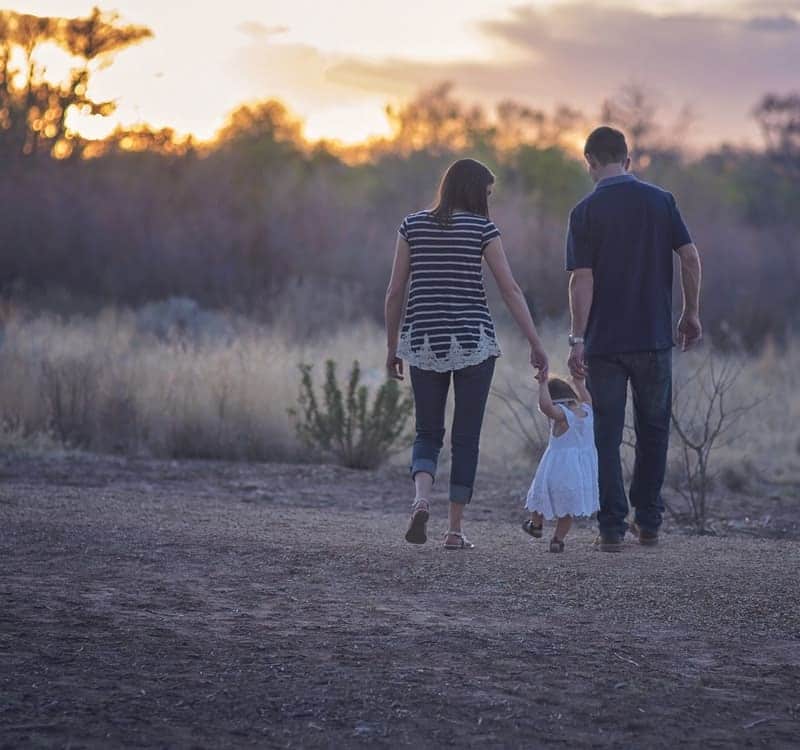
<point>650,376</point>
<point>471,386</point>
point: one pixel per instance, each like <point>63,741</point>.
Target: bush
<point>347,429</point>
<point>704,418</point>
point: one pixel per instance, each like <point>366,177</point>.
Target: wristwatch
<point>575,340</point>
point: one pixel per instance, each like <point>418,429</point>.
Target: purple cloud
<point>579,53</point>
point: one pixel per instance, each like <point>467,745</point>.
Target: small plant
<point>703,420</point>
<point>345,426</point>
<point>523,419</point>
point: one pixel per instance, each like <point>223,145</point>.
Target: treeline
<point>246,221</point>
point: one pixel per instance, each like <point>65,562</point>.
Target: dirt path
<point>148,604</point>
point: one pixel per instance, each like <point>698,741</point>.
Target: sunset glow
<point>337,66</point>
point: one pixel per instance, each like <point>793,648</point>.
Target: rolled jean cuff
<point>460,494</point>
<point>423,464</point>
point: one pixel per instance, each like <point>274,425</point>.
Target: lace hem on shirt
<point>457,358</point>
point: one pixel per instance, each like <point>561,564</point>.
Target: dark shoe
<point>648,538</point>
<point>609,543</point>
<point>556,545</point>
<point>420,512</point>
<point>529,528</point>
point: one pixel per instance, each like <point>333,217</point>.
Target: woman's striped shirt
<point>447,324</point>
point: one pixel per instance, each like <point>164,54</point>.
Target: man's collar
<point>617,179</point>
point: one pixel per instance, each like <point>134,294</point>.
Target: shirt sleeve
<point>490,231</point>
<point>680,234</point>
<point>579,248</point>
<point>403,229</point>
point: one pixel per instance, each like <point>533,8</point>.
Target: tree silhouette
<point>779,120</point>
<point>437,122</point>
<point>637,111</point>
<point>33,108</point>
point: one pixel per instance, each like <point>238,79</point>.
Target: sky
<point>337,64</point>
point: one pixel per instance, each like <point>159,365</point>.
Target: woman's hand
<point>394,365</point>
<point>539,362</point>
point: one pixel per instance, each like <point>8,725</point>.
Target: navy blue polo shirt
<point>626,231</point>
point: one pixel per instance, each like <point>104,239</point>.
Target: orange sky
<point>338,64</point>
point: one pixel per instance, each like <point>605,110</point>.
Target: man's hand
<point>576,362</point>
<point>539,362</point>
<point>690,330</point>
<point>394,365</point>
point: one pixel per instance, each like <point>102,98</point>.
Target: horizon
<point>497,50</point>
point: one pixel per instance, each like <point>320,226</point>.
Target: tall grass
<point>178,382</point>
<point>117,384</point>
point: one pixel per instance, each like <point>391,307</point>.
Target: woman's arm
<point>546,405</point>
<point>393,307</point>
<point>515,301</point>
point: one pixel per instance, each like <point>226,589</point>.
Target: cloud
<point>769,7</point>
<point>298,73</point>
<point>260,31</point>
<point>578,53</point>
<point>773,23</point>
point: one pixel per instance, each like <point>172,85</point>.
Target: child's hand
<point>541,376</point>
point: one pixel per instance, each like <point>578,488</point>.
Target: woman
<point>448,332</point>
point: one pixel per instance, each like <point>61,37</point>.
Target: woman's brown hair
<point>463,187</point>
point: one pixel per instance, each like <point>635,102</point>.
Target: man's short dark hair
<point>606,145</point>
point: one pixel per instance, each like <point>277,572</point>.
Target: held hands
<point>539,362</point>
<point>690,330</point>
<point>576,362</point>
<point>394,365</point>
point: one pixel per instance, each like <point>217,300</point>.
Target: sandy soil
<point>157,604</point>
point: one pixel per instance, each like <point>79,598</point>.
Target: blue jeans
<point>650,376</point>
<point>471,386</point>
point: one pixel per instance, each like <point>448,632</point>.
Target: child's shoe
<point>529,528</point>
<point>556,545</point>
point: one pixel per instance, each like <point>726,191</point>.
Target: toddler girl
<point>565,484</point>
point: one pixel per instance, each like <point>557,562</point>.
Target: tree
<point>264,121</point>
<point>518,124</point>
<point>438,122</point>
<point>636,110</point>
<point>33,108</point>
<point>704,417</point>
<point>779,120</point>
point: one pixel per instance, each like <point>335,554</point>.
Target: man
<point>620,248</point>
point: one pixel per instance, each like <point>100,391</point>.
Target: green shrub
<point>345,426</point>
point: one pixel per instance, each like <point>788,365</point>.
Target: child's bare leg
<point>563,526</point>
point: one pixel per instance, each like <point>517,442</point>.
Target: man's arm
<point>690,330</point>
<point>581,290</point>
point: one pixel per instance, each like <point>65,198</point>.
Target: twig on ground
<point>625,658</point>
<point>757,722</point>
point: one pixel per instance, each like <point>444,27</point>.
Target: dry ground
<point>158,604</point>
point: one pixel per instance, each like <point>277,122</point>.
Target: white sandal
<point>463,542</point>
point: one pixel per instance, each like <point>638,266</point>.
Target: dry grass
<point>112,384</point>
<point>173,381</point>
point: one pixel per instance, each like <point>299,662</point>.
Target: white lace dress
<point>565,483</point>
